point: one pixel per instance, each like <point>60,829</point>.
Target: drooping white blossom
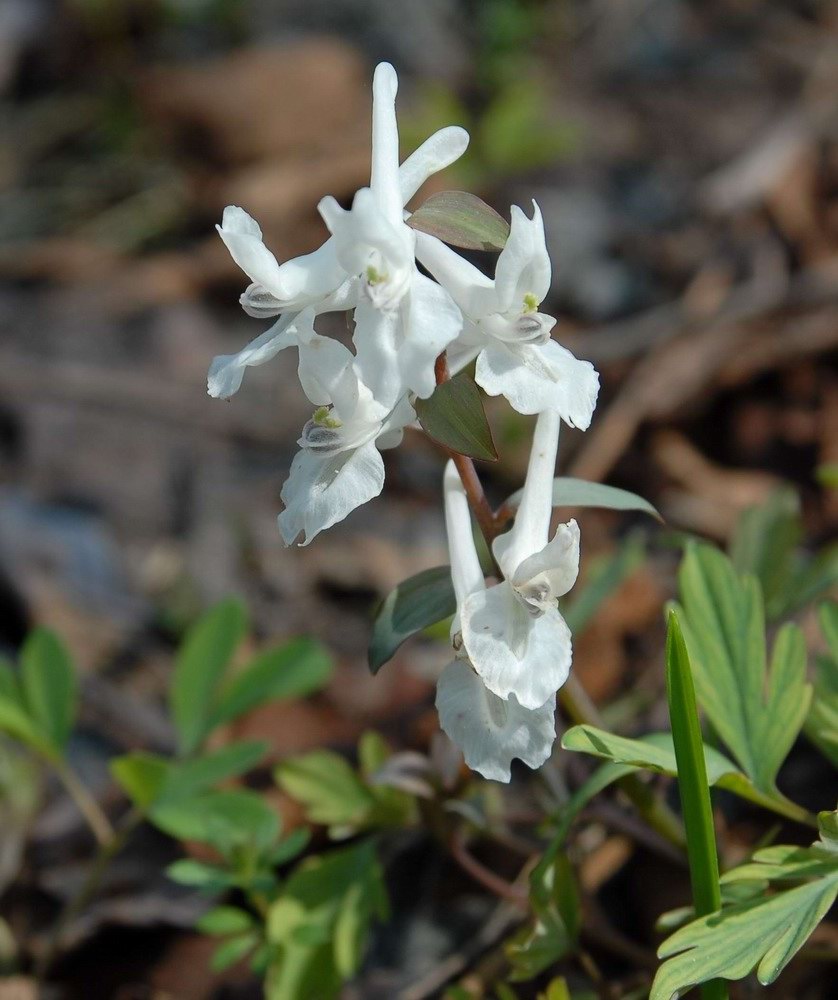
<point>339,465</point>
<point>510,337</point>
<point>490,730</point>
<point>513,632</point>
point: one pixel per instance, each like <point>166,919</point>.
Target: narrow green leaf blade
<point>693,786</point>
<point>461,219</point>
<point>454,417</point>
<point>48,686</point>
<point>200,666</point>
<point>655,752</point>
<point>569,492</point>
<point>420,601</point>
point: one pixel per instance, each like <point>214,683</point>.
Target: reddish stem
<point>468,474</point>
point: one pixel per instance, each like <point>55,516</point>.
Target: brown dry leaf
<point>18,988</point>
<point>604,862</point>
<point>711,498</point>
<point>262,102</point>
<point>600,653</point>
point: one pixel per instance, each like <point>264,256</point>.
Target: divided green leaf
<point>453,415</point>
<point>763,931</point>
<point>757,711</point>
<point>461,219</point>
<point>418,602</point>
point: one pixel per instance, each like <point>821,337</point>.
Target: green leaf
<point>416,603</point>
<point>655,752</point>
<point>225,920</point>
<point>224,819</point>
<point>328,788</point>
<point>200,666</point>
<point>764,933</point>
<point>290,847</point>
<point>199,875</point>
<point>141,776</point>
<point>294,670</point>
<point>233,951</point>
<point>764,544</point>
<point>320,923</point>
<point>569,492</point>
<point>553,931</point>
<point>827,475</point>
<point>149,779</point>
<point>758,712</point>
<point>693,785</point>
<point>185,778</point>
<point>821,724</point>
<point>48,687</point>
<point>454,417</point>
<point>15,720</point>
<point>461,219</point>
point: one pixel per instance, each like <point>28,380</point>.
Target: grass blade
<point>693,786</point>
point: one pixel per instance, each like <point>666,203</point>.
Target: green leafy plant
<point>764,932</point>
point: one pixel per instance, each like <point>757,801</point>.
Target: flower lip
<point>326,435</point>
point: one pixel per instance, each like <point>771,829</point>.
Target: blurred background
<point>685,157</point>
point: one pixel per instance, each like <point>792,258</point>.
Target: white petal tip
<point>385,80</point>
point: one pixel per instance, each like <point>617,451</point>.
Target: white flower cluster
<point>496,700</point>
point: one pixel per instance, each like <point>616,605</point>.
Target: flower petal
<point>469,287</point>
<point>327,372</point>
<point>491,731</point>
<point>523,267</point>
<point>436,153</point>
<point>515,652</point>
<point>384,177</point>
<point>227,370</point>
<point>466,574</point>
<point>322,489</point>
<point>531,529</point>
<point>556,566</point>
<point>537,377</point>
<point>243,238</point>
<point>396,349</point>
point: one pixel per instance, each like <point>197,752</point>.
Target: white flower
<point>339,465</point>
<point>513,632</point>
<point>404,320</point>
<point>490,730</point>
<point>516,357</point>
